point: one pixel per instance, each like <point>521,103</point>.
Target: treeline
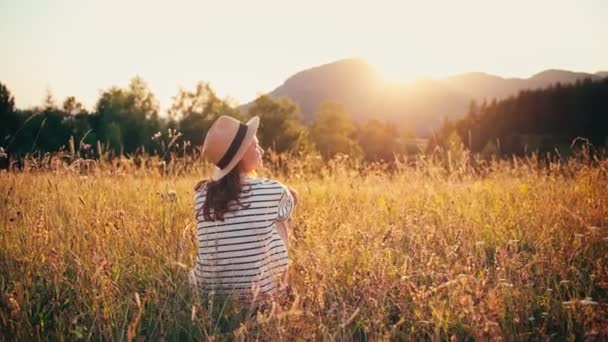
<point>126,121</point>
<point>541,120</point>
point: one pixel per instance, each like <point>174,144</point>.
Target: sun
<point>395,68</point>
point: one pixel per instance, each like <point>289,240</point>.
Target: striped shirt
<point>245,251</point>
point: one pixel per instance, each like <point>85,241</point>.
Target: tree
<point>146,108</point>
<point>197,110</point>
<point>456,153</point>
<point>72,107</point>
<point>144,101</point>
<point>379,140</point>
<point>8,117</point>
<point>280,128</point>
<point>473,111</point>
<point>126,119</point>
<point>408,132</point>
<point>109,115</point>
<point>76,120</point>
<point>550,117</point>
<point>49,100</point>
<point>333,131</point>
<point>45,130</point>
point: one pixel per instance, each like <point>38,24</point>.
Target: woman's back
<point>244,252</point>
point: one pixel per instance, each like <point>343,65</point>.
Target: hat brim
<point>252,128</point>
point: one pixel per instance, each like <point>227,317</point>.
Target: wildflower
<point>137,300</point>
<point>179,264</point>
<point>491,324</point>
<point>13,305</point>
<point>569,303</point>
<point>588,301</point>
<point>382,201</point>
<point>84,146</point>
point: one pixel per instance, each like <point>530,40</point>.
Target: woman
<point>242,220</point>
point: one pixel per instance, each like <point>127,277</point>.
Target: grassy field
<point>509,249</point>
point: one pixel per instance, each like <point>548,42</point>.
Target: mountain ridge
<point>421,104</point>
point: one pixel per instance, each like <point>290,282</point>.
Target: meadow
<point>431,248</point>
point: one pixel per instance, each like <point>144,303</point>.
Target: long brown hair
<point>220,195</point>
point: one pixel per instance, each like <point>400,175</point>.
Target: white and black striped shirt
<point>245,251</point>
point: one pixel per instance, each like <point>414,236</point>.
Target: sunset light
<point>78,48</point>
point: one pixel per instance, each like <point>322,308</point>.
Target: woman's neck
<point>248,175</point>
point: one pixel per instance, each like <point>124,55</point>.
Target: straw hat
<point>227,141</point>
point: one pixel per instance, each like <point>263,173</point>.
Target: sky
<point>246,48</point>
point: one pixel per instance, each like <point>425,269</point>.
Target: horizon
<point>272,41</point>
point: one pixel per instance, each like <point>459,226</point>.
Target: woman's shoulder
<point>265,182</point>
<point>285,192</point>
<point>201,185</point>
<point>200,190</point>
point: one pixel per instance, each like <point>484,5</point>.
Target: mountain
<point>421,104</point>
<point>481,86</point>
<point>602,74</point>
<point>352,82</point>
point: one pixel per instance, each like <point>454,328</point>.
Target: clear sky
<point>244,48</point>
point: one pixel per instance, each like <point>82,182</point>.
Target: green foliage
<point>71,106</point>
<point>197,110</point>
<point>125,119</point>
<point>490,150</point>
<point>535,120</point>
<point>8,117</point>
<point>333,131</point>
<point>379,141</point>
<point>40,130</point>
<point>280,128</point>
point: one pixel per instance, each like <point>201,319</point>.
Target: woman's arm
<point>294,194</point>
<point>283,229</point>
<point>283,225</point>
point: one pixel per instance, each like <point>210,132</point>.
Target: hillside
<point>421,104</point>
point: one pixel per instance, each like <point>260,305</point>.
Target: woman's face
<point>252,160</point>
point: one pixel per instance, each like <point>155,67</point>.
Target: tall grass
<point>431,248</point>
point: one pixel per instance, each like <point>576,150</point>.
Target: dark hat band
<point>234,147</point>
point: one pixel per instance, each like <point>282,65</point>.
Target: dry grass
<point>435,250</point>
